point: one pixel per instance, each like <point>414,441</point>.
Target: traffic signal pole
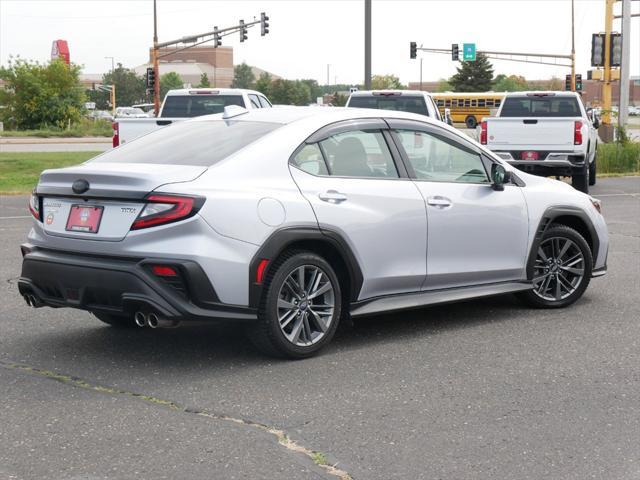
<point>623,108</point>
<point>606,86</point>
<point>573,49</point>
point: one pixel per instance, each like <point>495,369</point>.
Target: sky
<point>307,35</point>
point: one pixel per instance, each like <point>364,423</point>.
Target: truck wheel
<point>592,172</point>
<point>470,122</point>
<point>300,308</point>
<point>580,180</point>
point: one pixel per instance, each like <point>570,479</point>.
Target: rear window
<point>399,103</point>
<point>189,143</point>
<point>198,105</point>
<point>549,106</point>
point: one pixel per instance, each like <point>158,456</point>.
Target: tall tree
<point>37,95</point>
<point>204,81</point>
<point>130,88</point>
<point>512,83</point>
<point>314,89</point>
<point>263,84</point>
<point>382,82</point>
<point>289,92</point>
<point>169,81</point>
<point>243,76</point>
<point>473,76</point>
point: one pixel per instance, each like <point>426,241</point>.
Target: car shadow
<point>197,347</point>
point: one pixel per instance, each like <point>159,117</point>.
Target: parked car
<point>414,101</point>
<point>287,220</point>
<point>100,115</point>
<point>187,103</point>
<point>545,133</point>
<point>130,112</point>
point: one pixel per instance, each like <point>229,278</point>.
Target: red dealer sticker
<point>84,218</point>
<point>529,156</point>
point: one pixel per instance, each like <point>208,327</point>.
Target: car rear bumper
<point>122,285</point>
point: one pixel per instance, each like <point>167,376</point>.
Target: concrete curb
<point>37,140</point>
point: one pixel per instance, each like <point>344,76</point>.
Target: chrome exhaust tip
<point>33,300</point>
<point>140,319</point>
<point>28,300</point>
<point>152,320</point>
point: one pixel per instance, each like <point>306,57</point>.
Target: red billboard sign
<point>60,49</point>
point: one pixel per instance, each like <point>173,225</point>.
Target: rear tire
<point>118,321</point>
<point>561,269</point>
<point>470,122</point>
<point>300,307</point>
<point>593,170</point>
<point>580,180</point>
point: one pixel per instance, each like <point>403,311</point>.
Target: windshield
<point>541,106</point>
<point>189,143</point>
<point>181,106</point>
<point>400,103</point>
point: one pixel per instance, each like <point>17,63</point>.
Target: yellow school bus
<point>468,108</point>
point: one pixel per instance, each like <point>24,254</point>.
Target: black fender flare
<point>549,216</point>
<point>281,239</point>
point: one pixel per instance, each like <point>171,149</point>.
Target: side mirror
<point>499,177</point>
<point>447,116</point>
<point>596,122</point>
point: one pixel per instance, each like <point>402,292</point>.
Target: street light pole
<point>367,44</point>
<point>328,65</point>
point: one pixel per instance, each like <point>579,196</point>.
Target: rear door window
<point>402,103</point>
<point>187,106</point>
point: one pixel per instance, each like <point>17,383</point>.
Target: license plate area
<point>84,218</point>
<point>529,156</point>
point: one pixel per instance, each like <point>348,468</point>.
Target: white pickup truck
<point>187,103</point>
<point>545,133</point>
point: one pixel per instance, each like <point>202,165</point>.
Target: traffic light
<point>243,31</point>
<point>151,78</point>
<point>597,50</point>
<point>578,82</point>
<point>413,50</point>
<point>264,24</point>
<point>615,57</point>
<point>567,82</point>
<point>455,52</point>
<point>217,40</point>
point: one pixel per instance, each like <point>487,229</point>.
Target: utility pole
<point>625,72</point>
<point>328,65</point>
<point>420,73</point>
<point>156,67</point>
<point>367,44</point>
<point>573,48</point>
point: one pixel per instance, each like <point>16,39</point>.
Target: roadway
<point>484,389</point>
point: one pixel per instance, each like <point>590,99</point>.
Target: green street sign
<point>469,52</point>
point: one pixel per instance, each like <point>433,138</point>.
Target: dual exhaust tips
<point>31,300</point>
<point>152,320</point>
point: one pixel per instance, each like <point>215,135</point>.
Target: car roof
<point>542,93</point>
<point>322,116</point>
<point>408,93</point>
<point>217,91</point>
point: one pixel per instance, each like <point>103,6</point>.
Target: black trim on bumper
<point>122,285</point>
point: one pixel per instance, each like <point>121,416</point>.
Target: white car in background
<point>412,101</point>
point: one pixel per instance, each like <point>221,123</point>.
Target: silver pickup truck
<point>187,103</point>
<point>547,134</point>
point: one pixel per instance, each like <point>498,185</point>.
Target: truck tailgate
<point>131,128</point>
<point>538,133</point>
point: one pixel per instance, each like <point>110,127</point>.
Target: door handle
<point>439,202</point>
<point>332,196</point>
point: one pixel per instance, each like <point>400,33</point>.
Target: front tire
<point>593,170</point>
<point>471,122</point>
<point>300,307</point>
<point>561,269</point>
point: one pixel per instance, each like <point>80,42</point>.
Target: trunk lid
<point>113,200</point>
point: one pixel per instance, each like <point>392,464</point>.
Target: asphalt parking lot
<point>481,390</point>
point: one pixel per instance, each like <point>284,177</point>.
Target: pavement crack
<point>317,457</point>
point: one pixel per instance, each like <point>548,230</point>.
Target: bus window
<point>447,103</point>
<point>467,102</point>
<point>474,102</point>
<point>440,102</point>
<point>481,102</point>
<point>497,103</point>
<point>489,102</point>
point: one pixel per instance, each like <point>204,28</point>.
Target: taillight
<point>163,209</point>
<point>577,133</point>
<point>483,133</point>
<point>34,207</point>
<point>164,271</point>
<point>115,141</point>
